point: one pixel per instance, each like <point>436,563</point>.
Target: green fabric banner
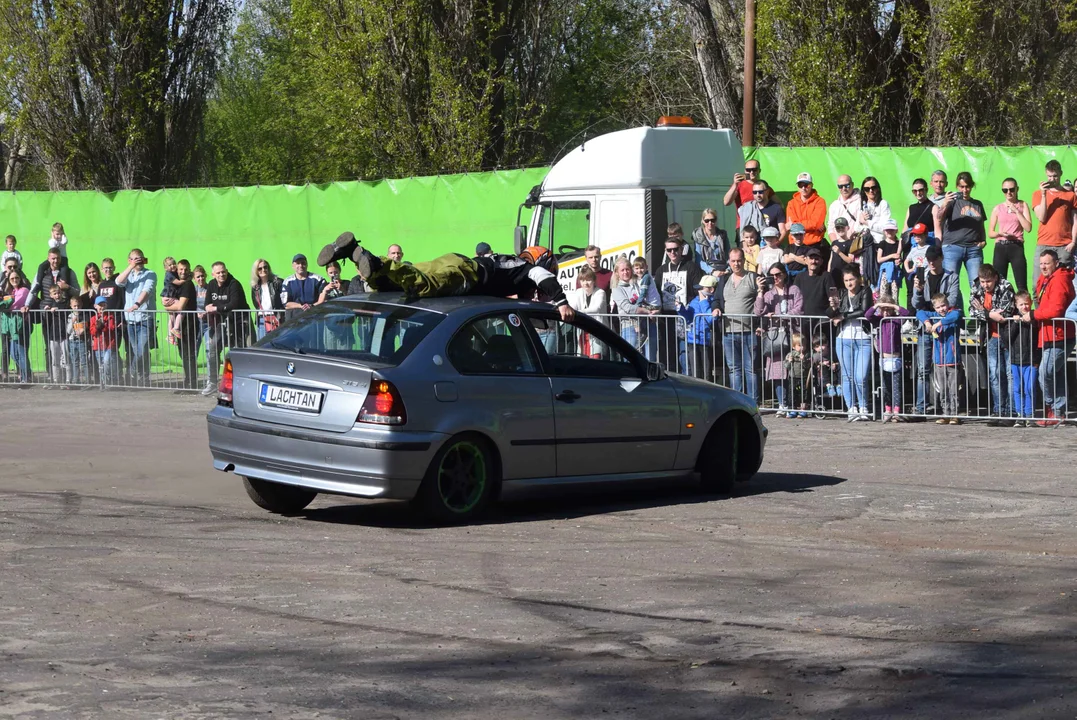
<point>429,216</point>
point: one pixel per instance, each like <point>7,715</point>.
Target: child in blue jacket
<point>699,322</point>
<point>944,326</point>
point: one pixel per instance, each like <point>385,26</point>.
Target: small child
<point>699,323</point>
<point>55,331</point>
<point>749,243</point>
<point>887,314</point>
<point>646,282</point>
<point>916,260</point>
<point>796,370</point>
<point>825,368</point>
<point>104,339</point>
<point>78,369</point>
<point>59,240</point>
<point>888,256</point>
<point>170,290</point>
<point>943,324</point>
<point>10,252</point>
<point>1022,338</point>
<point>772,254</point>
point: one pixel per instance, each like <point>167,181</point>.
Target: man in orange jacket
<point>809,209</point>
<point>1054,293</point>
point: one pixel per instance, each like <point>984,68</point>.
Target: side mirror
<point>519,239</point>
<point>655,372</point>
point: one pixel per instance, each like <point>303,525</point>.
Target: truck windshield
<point>564,226</point>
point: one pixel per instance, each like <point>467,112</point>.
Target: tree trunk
<point>723,100</point>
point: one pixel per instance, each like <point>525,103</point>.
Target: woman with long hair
<point>874,216</point>
<point>265,297</point>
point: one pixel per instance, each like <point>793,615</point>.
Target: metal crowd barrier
<point>660,338</point>
<point>156,350</point>
<point>792,365</point>
<point>1001,374</point>
<point>837,375</point>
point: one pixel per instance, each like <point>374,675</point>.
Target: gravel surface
<point>868,571</point>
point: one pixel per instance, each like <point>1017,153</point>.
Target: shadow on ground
<point>534,505</point>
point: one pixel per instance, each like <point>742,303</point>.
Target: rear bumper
<point>362,462</point>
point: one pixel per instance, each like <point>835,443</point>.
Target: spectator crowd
<point>806,299</point>
<point>802,306</point>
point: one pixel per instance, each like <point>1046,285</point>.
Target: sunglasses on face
<point>751,169</point>
<point>803,184</point>
<point>672,250</point>
<point>1009,190</point>
<point>844,186</point>
<point>759,192</point>
<point>871,188</point>
<point>709,220</point>
<point>775,275</point>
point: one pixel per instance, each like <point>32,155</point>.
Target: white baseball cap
<point>804,177</point>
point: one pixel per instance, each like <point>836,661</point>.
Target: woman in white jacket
<point>588,299</point>
<point>874,215</point>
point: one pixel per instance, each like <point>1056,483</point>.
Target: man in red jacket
<point>1054,293</point>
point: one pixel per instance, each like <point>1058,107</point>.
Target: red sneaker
<point>1049,419</point>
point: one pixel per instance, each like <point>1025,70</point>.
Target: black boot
<point>366,263</point>
<point>340,249</point>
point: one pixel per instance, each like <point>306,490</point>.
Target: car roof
<point>446,305</point>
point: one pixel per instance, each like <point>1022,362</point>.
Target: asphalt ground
<point>868,571</point>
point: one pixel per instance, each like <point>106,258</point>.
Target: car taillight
<point>224,389</point>
<point>383,405</point>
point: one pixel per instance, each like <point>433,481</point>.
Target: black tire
<point>461,481</point>
<point>277,497</point>
<point>719,458</point>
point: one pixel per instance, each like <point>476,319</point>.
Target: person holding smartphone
<point>1056,211</point>
<point>740,192</point>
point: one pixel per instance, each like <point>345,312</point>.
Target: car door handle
<point>567,396</point>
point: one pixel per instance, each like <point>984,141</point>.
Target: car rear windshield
<point>364,332</point>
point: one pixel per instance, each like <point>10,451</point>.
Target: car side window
<point>574,352</point>
<point>493,345</point>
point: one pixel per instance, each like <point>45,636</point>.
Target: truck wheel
<point>460,482</point>
<point>719,456</point>
<point>277,497</point>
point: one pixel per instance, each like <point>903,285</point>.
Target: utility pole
<point>747,134</point>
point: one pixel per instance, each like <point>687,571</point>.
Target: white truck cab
<point>619,191</point>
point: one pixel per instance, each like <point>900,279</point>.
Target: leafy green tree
<point>111,94</point>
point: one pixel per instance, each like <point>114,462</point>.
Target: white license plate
<point>291,398</point>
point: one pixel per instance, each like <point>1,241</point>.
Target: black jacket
<point>232,310</point>
<point>275,287</point>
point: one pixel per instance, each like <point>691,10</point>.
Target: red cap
<point>918,229</point>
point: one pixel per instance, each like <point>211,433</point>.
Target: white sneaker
<point>864,414</point>
<point>209,389</point>
<point>782,411</point>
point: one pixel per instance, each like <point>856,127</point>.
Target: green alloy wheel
<point>460,481</point>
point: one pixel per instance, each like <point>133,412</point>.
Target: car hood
<point>704,388</point>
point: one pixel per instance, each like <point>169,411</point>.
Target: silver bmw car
<point>446,401</point>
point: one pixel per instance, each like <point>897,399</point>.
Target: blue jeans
<point>924,365</point>
<point>1053,380</point>
<point>138,352</point>
<point>855,358</point>
<point>106,364</point>
<point>954,255</point>
<point>18,354</point>
<point>998,376</point>
<point>1024,389</point>
<point>78,367</point>
<point>645,339</point>
<point>740,357</point>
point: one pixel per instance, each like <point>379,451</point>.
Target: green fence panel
<point>896,168</point>
<point>431,215</point>
<point>428,216</point>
